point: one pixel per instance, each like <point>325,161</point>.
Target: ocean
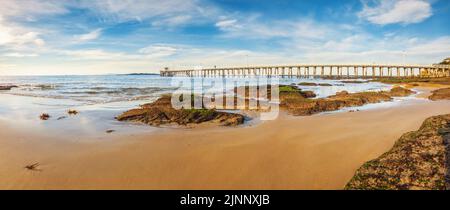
<point>101,98</point>
<point>103,89</point>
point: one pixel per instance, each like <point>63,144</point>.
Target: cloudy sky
<point>123,36</point>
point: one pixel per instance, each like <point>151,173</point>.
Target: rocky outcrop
<point>354,81</point>
<point>290,90</point>
<point>299,105</point>
<point>314,84</point>
<point>440,94</point>
<point>418,160</point>
<point>161,112</point>
<point>414,80</point>
<point>401,92</point>
<point>7,87</point>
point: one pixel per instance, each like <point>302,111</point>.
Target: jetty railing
<point>309,70</point>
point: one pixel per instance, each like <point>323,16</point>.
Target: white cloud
<point>29,9</point>
<point>228,25</point>
<point>19,55</point>
<point>252,27</point>
<point>159,50</point>
<point>89,36</point>
<point>15,36</point>
<point>172,21</point>
<point>160,13</point>
<point>92,54</point>
<point>6,67</point>
<point>396,11</point>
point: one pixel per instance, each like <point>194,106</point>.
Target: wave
<point>118,91</point>
<point>31,87</point>
<point>96,95</point>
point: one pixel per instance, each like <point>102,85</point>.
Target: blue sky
<point>124,36</point>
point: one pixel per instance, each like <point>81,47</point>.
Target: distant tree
<point>446,61</point>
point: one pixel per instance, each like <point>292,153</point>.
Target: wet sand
<point>316,152</point>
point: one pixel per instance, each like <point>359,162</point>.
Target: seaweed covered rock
<point>354,81</point>
<point>418,160</point>
<point>440,94</point>
<point>286,90</point>
<point>400,92</point>
<point>302,106</point>
<point>161,112</point>
<point>313,84</point>
<point>300,103</point>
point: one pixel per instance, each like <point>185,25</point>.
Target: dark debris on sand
<point>44,116</point>
<point>33,167</point>
<point>72,112</point>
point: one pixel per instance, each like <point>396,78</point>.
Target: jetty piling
<point>318,71</point>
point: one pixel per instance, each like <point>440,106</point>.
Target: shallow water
<point>100,98</point>
<point>104,89</point>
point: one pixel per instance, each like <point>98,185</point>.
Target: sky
<point>71,37</point>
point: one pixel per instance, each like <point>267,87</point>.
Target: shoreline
<point>312,152</point>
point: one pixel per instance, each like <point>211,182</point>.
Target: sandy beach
<point>316,152</point>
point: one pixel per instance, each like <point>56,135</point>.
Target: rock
<point>354,81</point>
<point>307,84</point>
<point>400,92</point>
<point>44,116</point>
<point>308,94</point>
<point>342,93</point>
<point>7,87</point>
<point>161,112</point>
<point>418,160</point>
<point>325,84</point>
<point>314,84</point>
<point>440,94</point>
<point>110,131</point>
<point>61,118</point>
<point>415,80</point>
<point>72,112</point>
<point>286,90</point>
<point>296,104</point>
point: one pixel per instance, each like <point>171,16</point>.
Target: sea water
<point>104,89</point>
<point>100,98</point>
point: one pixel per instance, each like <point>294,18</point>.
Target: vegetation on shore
<point>445,61</point>
<point>395,80</point>
<point>418,160</point>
